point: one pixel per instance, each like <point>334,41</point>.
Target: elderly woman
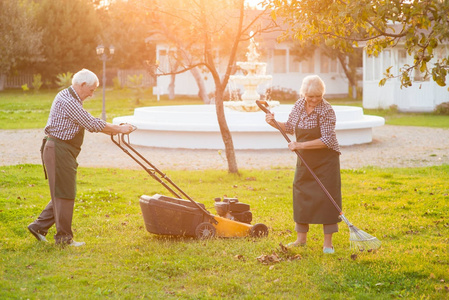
<point>312,120</point>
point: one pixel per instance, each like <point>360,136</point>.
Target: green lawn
<point>407,209</point>
<point>19,110</point>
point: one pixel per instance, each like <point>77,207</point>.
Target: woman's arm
<point>313,144</point>
<point>269,118</point>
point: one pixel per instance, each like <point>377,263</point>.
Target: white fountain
<point>196,126</point>
<point>255,75</point>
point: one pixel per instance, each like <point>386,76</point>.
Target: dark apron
<point>310,203</point>
<point>66,153</point>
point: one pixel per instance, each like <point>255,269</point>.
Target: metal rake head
<point>361,240</point>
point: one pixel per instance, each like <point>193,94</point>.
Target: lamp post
<point>103,56</point>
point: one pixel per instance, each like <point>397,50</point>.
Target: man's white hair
<point>85,76</point>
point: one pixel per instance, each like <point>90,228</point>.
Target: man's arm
<point>115,129</point>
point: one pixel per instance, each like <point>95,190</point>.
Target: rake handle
<point>263,105</point>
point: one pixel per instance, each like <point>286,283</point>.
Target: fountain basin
<point>196,127</point>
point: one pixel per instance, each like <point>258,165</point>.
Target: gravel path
<point>392,146</point>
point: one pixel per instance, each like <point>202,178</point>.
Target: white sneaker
<point>36,234</point>
<point>76,244</point>
<point>329,250</point>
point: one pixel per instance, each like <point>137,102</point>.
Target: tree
<point>207,34</point>
<point>349,61</point>
<point>20,40</point>
<point>419,26</point>
<point>127,29</point>
<point>70,36</point>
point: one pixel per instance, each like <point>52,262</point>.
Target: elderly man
<point>60,148</point>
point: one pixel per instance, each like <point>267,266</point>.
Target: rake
<point>359,239</point>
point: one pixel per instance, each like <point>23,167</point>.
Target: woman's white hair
<point>312,85</point>
<point>85,76</point>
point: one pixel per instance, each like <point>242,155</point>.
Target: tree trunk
<point>171,87</point>
<point>202,93</point>
<point>348,71</point>
<point>2,81</point>
<point>225,132</point>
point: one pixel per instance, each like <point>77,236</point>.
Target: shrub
<point>64,80</point>
<point>135,82</point>
<point>116,82</point>
<point>442,109</point>
<point>394,109</point>
<point>25,87</point>
<point>279,94</point>
<point>37,82</point>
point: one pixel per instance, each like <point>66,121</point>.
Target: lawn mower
<point>181,215</point>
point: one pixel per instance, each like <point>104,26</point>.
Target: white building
<point>281,64</point>
<point>424,94</point>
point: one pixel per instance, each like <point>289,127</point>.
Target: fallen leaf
<point>353,256</point>
<point>268,259</point>
<point>239,256</point>
<point>297,257</point>
<point>283,248</point>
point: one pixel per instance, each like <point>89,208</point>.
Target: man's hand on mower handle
<point>126,128</point>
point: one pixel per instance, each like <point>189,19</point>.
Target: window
<point>377,65</point>
<point>440,52</point>
<point>402,57</point>
<point>420,76</point>
<point>386,61</point>
<point>369,68</point>
<point>293,63</point>
<point>163,61</point>
<point>280,61</point>
<point>324,63</point>
<point>333,65</point>
<point>308,66</point>
<point>327,64</point>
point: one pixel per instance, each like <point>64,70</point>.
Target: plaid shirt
<point>67,117</point>
<point>326,116</point>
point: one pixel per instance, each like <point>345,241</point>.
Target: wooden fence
<point>16,81</point>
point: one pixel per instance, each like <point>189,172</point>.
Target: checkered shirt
<point>67,117</point>
<point>327,118</point>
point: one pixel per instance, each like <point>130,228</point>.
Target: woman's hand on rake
<point>269,118</point>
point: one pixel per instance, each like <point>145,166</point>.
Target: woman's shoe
<point>329,250</point>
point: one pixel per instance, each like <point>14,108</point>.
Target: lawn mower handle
<point>152,171</point>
